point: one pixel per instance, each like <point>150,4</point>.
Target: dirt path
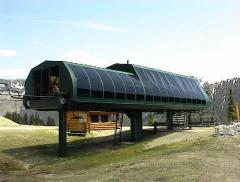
<point>180,135</point>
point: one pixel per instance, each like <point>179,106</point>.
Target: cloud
<point>13,73</point>
<point>102,27</point>
<point>212,60</point>
<point>38,42</point>
<point>83,24</point>
<point>89,25</point>
<point>7,53</point>
<point>84,57</point>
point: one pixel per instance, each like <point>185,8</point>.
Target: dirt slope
<point>4,122</point>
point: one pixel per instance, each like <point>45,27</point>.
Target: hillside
<point>188,155</point>
<point>8,104</point>
<point>4,122</point>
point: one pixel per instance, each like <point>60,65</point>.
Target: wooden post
<point>62,138</point>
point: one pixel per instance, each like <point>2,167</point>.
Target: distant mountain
<point>9,80</point>
<point>219,94</point>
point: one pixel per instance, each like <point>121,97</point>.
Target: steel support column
<point>136,125</point>
<point>170,120</point>
<point>155,128</point>
<point>62,138</point>
<point>190,120</point>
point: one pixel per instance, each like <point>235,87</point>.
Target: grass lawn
<point>28,153</point>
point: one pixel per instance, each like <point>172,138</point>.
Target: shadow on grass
<point>83,146</point>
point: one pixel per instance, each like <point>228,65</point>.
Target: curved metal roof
<point>136,83</point>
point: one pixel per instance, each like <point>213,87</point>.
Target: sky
<point>189,37</point>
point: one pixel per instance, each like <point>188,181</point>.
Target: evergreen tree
<point>16,117</point>
<point>231,107</point>
<point>31,120</point>
<point>50,122</point>
<point>150,119</point>
<point>8,115</point>
<point>25,119</point>
<point>36,119</point>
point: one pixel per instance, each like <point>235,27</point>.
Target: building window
<point>97,94</point>
<point>114,117</point>
<point>45,82</point>
<point>157,98</point>
<point>183,100</point>
<point>104,118</point>
<point>199,101</point>
<point>109,95</point>
<point>149,98</point>
<point>194,101</point>
<point>54,80</point>
<point>94,118</point>
<point>140,97</point>
<point>171,99</point>
<point>165,99</point>
<point>83,92</point>
<point>177,100</point>
<point>131,96</point>
<point>120,96</point>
